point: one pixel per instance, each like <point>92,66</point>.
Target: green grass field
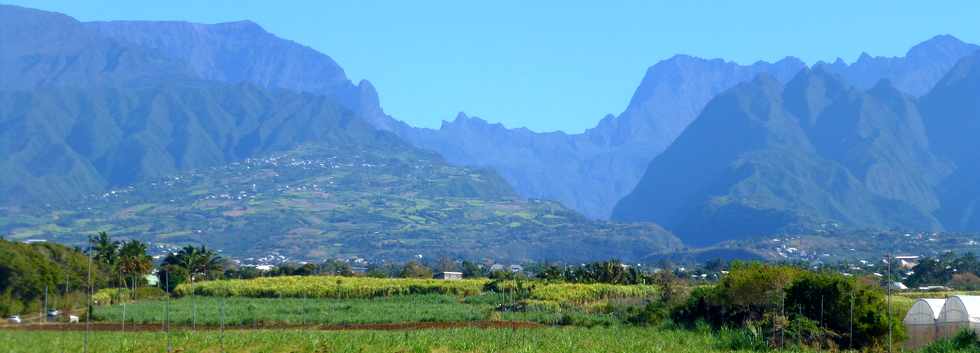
<point>236,311</point>
<point>550,340</point>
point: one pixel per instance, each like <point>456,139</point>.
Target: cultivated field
<point>550,340</point>
<point>343,314</point>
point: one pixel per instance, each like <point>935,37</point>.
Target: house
<point>907,262</point>
<point>449,276</point>
<point>152,280</point>
<point>897,286</point>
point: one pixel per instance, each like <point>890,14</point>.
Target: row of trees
<point>129,262</point>
<point>613,272</point>
<point>33,273</point>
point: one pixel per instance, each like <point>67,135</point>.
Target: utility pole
<point>44,309</point>
<point>166,315</point>
<point>88,312</point>
<point>66,304</point>
<point>850,328</point>
<point>888,290</point>
<point>782,312</point>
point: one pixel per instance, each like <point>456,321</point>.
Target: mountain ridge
<point>817,153</point>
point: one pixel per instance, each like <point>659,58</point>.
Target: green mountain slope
<point>763,159</point>
<point>321,201</point>
<point>60,142</point>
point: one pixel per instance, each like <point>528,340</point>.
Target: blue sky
<point>551,65</point>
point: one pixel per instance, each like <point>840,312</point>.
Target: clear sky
<point>551,65</point>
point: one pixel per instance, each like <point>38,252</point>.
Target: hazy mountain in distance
<point>593,170</point>
<point>763,158</point>
<point>233,52</point>
<point>915,73</point>
<point>245,52</point>
<point>597,167</point>
<point>953,120</point>
<point>589,172</point>
<point>39,48</point>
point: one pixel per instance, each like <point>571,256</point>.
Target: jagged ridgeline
<point>816,153</point>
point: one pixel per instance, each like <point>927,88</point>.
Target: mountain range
<point>765,158</point>
<point>108,128</point>
<point>597,167</point>
<point>712,150</point>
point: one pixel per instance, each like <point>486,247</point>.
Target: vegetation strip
<point>114,327</point>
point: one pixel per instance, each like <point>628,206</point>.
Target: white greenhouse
<point>959,312</point>
<point>920,322</point>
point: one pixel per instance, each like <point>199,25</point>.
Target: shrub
<point>965,281</point>
<point>827,298</point>
<point>769,295</point>
<point>654,313</point>
<point>741,339</point>
<point>414,269</point>
<point>150,293</point>
<point>965,341</point>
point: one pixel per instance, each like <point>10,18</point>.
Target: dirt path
<point>107,327</point>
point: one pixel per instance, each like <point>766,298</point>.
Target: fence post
<point>44,310</point>
<point>67,306</point>
<point>888,288</point>
<point>221,334</point>
<point>166,317</point>
<point>88,313</point>
<point>193,306</point>
<point>850,324</point>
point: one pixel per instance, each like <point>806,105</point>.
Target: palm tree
<point>134,261</point>
<point>105,249</point>
<point>197,262</point>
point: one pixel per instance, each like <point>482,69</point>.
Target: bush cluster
<point>786,305</point>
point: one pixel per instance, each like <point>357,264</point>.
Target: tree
<point>105,250</point>
<point>965,281</point>
<point>413,269</point>
<point>551,272</point>
<point>383,271</point>
<point>446,264</point>
<point>671,287</point>
<point>472,270</point>
<point>134,262</point>
<point>193,264</point>
<point>814,306</point>
<point>829,298</point>
<point>27,271</point>
<point>337,268</point>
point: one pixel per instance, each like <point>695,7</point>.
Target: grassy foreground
<point>557,340</point>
